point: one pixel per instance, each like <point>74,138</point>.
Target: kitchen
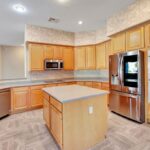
<point>56,56</point>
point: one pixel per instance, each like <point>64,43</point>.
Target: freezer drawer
<point>128,105</point>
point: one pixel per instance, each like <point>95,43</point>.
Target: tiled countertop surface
<point>17,83</point>
<point>73,92</point>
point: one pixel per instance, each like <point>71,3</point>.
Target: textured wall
<point>135,14</point>
<point>85,38</point>
<point>47,35</point>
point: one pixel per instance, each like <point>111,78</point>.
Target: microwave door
<point>114,73</point>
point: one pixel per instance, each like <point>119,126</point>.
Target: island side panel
<point>82,130</point>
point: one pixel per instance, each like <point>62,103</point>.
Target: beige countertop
<point>70,93</point>
<point>17,83</point>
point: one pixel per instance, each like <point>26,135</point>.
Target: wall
<point>135,14</point>
<point>47,35</point>
<point>13,66</point>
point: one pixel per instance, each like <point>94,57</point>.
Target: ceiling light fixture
<point>63,1</point>
<point>19,8</point>
<point>80,22</point>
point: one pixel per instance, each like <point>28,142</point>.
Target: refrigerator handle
<point>121,70</point>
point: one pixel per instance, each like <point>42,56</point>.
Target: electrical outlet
<point>90,109</point>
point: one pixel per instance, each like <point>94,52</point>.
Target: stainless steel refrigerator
<point>126,76</point>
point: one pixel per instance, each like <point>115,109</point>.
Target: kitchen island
<point>76,116</point>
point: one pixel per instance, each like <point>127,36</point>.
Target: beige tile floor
<point>27,131</point>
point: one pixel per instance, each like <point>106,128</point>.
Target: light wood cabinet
<point>81,83</point>
<point>89,84</point>
<point>36,96</point>
<point>46,112</point>
<point>20,98</point>
<point>119,42</point>
<point>68,58</point>
<point>105,86</point>
<point>97,85</point>
<point>101,56</point>
<point>56,125</point>
<point>80,58</point>
<point>135,38</point>
<point>108,53</point>
<point>147,35</point>
<point>36,57</point>
<point>58,52</point>
<point>48,52</point>
<point>90,57</point>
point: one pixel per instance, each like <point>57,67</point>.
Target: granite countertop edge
<point>103,92</point>
<point>4,85</point>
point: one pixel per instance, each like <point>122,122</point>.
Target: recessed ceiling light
<point>80,22</point>
<point>19,8</point>
<point>63,1</point>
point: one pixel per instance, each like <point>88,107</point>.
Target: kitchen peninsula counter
<point>76,115</point>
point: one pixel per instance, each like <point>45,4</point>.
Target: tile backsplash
<point>57,74</point>
<point>52,74</point>
<point>91,73</point>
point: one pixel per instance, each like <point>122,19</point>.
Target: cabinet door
<point>97,85</point>
<point>36,96</point>
<point>80,58</point>
<point>89,84</point>
<point>135,38</point>
<point>68,58</point>
<point>108,53</point>
<point>36,57</point>
<point>58,52</point>
<point>81,83</point>
<point>118,43</point>
<point>147,35</point>
<point>101,56</point>
<point>104,86</point>
<point>56,125</point>
<point>20,98</point>
<point>48,52</point>
<point>90,57</point>
<point>46,112</point>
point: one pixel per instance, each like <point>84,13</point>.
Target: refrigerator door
<point>128,105</point>
<point>114,72</point>
<point>132,72</point>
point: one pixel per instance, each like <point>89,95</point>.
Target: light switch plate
<point>90,109</point>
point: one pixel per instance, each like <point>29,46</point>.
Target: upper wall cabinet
<point>135,38</point>
<point>48,51</point>
<point>80,58</point>
<point>36,57</point>
<point>101,56</point>
<point>58,52</point>
<point>108,53</point>
<point>147,35</point>
<point>90,57</point>
<point>118,43</point>
<point>68,57</point>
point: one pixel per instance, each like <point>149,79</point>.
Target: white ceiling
<point>93,13</point>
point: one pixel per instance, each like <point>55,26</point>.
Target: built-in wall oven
<point>127,84</point>
<point>53,64</point>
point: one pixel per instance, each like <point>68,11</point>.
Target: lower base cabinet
<point>20,99</point>
<point>56,125</point>
<point>36,96</point>
<point>67,125</point>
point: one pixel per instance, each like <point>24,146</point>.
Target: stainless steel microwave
<point>53,64</point>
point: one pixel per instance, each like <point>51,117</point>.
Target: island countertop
<point>70,93</point>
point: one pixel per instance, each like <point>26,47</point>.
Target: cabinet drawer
<point>80,83</point>
<point>89,84</point>
<point>105,86</point>
<point>56,104</point>
<point>97,85</point>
